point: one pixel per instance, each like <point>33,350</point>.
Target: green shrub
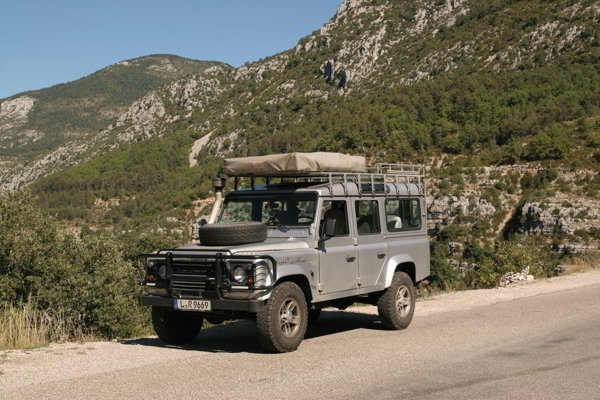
<point>513,256</point>
<point>593,140</point>
<point>89,280</point>
<point>442,274</point>
<point>552,144</point>
<point>452,144</point>
<point>541,180</point>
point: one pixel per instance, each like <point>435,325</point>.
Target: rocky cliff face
<point>374,45</point>
<point>369,49</point>
<point>492,200</point>
<point>13,115</point>
<point>561,213</point>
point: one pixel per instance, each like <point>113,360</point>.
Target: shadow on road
<point>332,322</point>
<point>240,336</point>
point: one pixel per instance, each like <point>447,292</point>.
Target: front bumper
<point>202,274</point>
<point>217,304</point>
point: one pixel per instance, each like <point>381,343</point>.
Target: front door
<point>338,266</point>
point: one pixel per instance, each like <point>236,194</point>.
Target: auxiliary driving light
<point>162,271</point>
<point>239,274</point>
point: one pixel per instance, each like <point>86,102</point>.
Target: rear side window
<point>367,217</point>
<point>336,210</point>
<point>402,214</point>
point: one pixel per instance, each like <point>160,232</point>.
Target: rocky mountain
<point>46,130</point>
<point>499,99</point>
<point>372,48</point>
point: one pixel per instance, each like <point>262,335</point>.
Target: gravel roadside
<point>68,361</point>
<point>467,299</point>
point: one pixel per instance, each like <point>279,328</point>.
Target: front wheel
<point>176,327</point>
<point>396,305</point>
<point>282,322</point>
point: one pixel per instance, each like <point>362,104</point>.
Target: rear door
<point>372,249</point>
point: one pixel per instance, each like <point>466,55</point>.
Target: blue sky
<point>43,43</point>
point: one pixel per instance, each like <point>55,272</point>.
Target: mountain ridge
<point>46,128</point>
<point>465,87</point>
<point>125,62</point>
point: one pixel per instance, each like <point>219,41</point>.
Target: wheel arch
<point>409,268</point>
<point>300,280</point>
<point>403,263</point>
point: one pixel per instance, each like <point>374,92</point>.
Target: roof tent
<point>295,164</point>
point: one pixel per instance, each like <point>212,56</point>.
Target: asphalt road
<point>541,347</point>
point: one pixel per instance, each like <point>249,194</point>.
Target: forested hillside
<point>500,99</point>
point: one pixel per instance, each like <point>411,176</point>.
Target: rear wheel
<point>176,327</point>
<point>282,322</point>
<point>396,305</point>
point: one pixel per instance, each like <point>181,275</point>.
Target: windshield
<point>273,209</point>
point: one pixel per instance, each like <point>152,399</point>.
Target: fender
<point>392,263</point>
<point>284,270</point>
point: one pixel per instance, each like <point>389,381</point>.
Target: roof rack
<point>402,169</point>
<point>366,182</point>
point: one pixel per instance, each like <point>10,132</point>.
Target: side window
<point>402,214</point>
<point>336,210</point>
<point>413,213</point>
<point>367,217</point>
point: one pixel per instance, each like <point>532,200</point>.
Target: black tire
<point>176,327</point>
<point>396,305</point>
<point>232,233</point>
<point>313,315</point>
<point>282,322</point>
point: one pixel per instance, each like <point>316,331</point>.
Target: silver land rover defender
<point>319,231</point>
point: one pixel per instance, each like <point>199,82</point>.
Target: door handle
<point>350,258</point>
<point>380,255</point>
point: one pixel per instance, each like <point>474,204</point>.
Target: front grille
<point>198,279</point>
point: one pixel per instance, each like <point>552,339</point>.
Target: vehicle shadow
<point>234,337</point>
<point>332,322</point>
<point>240,336</point>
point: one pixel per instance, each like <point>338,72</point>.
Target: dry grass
<point>25,326</point>
<point>582,262</point>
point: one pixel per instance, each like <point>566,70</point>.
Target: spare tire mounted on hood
<point>232,233</point>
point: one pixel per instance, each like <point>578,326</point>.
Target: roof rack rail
<point>366,182</point>
<point>400,169</point>
<point>375,182</point>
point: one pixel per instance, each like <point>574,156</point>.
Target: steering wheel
<point>307,218</point>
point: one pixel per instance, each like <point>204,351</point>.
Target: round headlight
<point>239,274</point>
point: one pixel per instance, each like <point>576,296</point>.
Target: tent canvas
<point>295,164</point>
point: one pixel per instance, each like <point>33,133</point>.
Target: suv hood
<point>261,247</point>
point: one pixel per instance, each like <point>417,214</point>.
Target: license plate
<point>191,305</point>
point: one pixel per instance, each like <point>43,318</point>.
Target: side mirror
<point>329,227</point>
<point>203,222</point>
